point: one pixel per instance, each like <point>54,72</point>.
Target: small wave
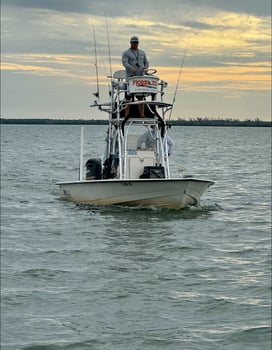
<point>41,273</point>
<point>64,251</point>
<point>252,335</point>
<point>84,345</point>
<point>209,206</point>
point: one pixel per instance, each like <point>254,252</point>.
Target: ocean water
<point>108,278</point>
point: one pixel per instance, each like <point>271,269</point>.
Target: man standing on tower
<point>136,64</point>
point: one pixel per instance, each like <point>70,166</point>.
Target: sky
<point>48,55</point>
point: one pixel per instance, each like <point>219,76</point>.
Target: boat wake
<point>203,209</point>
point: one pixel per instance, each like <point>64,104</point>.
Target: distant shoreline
<point>179,122</point>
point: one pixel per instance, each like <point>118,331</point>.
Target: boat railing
<point>144,86</point>
<point>143,121</point>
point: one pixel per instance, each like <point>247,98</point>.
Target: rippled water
<point>86,277</point>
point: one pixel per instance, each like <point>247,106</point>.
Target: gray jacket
<point>134,58</point>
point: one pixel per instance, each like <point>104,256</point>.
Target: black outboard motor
<point>93,167</point>
<point>110,167</point>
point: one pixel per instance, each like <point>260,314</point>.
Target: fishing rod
<point>177,85</point>
<point>96,51</point>
<point>96,94</point>
<point>108,39</point>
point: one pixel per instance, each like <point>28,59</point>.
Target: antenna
<point>96,94</point>
<point>176,89</point>
<point>108,38</point>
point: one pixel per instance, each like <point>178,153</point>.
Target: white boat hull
<point>163,193</point>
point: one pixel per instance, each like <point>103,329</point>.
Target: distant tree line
<point>53,121</point>
<point>181,122</point>
<point>221,122</point>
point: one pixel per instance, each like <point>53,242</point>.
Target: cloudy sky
<point>48,54</point>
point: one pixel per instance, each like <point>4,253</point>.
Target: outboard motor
<point>110,167</point>
<point>93,167</point>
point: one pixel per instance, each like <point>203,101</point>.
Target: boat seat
<point>120,74</point>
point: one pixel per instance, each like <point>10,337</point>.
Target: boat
<point>133,173</point>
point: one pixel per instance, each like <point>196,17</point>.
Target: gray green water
<point>86,277</point>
